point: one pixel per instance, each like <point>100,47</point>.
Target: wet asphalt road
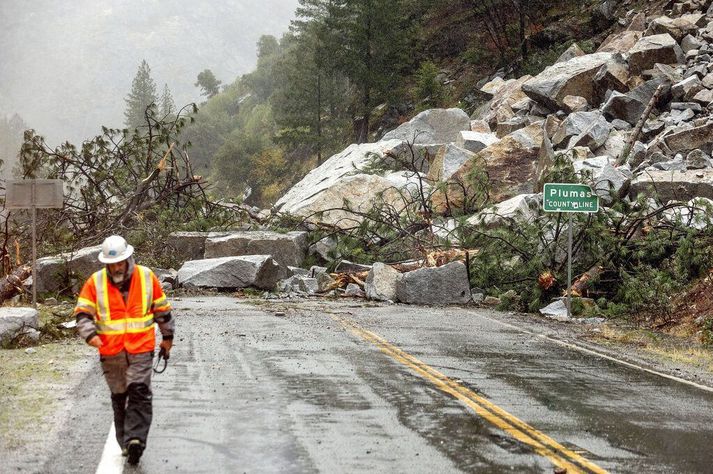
<point>250,391</point>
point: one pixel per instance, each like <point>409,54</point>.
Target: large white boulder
<point>68,269</point>
<point>573,77</point>
<point>449,160</point>
<point>381,282</point>
<point>432,126</point>
<point>289,249</point>
<point>258,271</point>
<point>435,285</point>
<point>16,320</point>
<point>674,185</point>
<point>650,50</point>
<point>519,209</point>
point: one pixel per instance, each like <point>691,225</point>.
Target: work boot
<point>135,448</point>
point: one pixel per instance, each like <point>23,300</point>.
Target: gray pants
<point>129,379</point>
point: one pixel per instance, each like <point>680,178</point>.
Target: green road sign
<point>567,197</point>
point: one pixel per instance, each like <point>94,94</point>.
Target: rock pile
<point>635,117</point>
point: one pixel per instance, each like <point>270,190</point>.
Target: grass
<point>664,347</point>
<point>32,385</point>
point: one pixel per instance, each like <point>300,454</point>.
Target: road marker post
<point>569,198</point>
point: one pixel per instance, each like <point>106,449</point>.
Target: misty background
<point>65,67</point>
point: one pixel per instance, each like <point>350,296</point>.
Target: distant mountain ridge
<point>66,66</point>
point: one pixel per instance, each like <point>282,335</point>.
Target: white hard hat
<point>115,249</point>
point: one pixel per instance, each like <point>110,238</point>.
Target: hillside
<point>440,57</point>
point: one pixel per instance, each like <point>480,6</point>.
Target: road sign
<point>33,194</point>
<point>568,197</point>
<point>40,193</point>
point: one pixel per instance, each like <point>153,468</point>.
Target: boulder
<point>507,98</point>
<point>623,107</point>
<point>338,181</point>
<point>65,270</point>
<point>691,139</point>
<point>620,42</point>
<point>690,43</point>
<point>697,160</point>
<point>325,282</point>
<point>673,185</point>
<point>435,285</point>
<point>479,126</point>
<point>607,181</point>
<point>354,291</point>
<point>574,103</point>
<point>707,81</point>
<point>187,245</point>
<point>573,51</point>
<point>227,273</point>
<point>324,249</point>
<point>475,141</point>
<point>588,129</point>
<point>381,282</point>
<point>687,89</point>
<point>14,321</point>
<point>510,165</point>
<point>613,76</point>
<point>519,209</point>
<point>704,97</point>
<point>678,28</point>
<point>511,125</point>
<point>573,77</point>
<point>345,266</point>
<point>650,50</point>
<point>638,22</point>
<point>697,213</point>
<point>298,284</point>
<point>288,249</point>
<point>452,157</point>
<point>556,310</point>
<point>432,126</point>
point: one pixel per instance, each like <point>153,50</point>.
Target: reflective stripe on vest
<point>146,288</point>
<point>122,326</point>
<point>101,283</point>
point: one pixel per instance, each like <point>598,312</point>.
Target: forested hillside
<point>350,70</point>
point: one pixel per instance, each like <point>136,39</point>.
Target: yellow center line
<point>540,443</point>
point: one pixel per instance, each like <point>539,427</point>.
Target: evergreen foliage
<point>168,106</point>
<point>210,86</point>
<point>141,97</point>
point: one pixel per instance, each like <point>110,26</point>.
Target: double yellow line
<point>518,429</point>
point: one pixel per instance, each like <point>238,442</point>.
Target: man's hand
<point>95,342</point>
<point>166,345</point>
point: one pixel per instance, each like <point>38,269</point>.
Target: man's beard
<point>118,277</point>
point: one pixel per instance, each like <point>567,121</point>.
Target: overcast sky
<point>66,65</point>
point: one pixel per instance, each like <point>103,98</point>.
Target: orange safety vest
<point>124,325</point>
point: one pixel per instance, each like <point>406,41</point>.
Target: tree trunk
<point>12,284</point>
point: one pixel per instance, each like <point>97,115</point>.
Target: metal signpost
<point>34,194</point>
<point>568,197</point>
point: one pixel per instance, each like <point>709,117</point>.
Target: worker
<point>117,311</point>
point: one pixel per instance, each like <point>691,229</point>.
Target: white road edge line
<point>604,356</point>
<point>112,462</point>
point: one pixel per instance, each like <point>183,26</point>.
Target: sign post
<point>570,198</point>
<point>34,194</point>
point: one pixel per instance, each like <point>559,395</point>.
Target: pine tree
<point>208,83</point>
<point>142,95</point>
<point>310,91</point>
<point>168,106</point>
